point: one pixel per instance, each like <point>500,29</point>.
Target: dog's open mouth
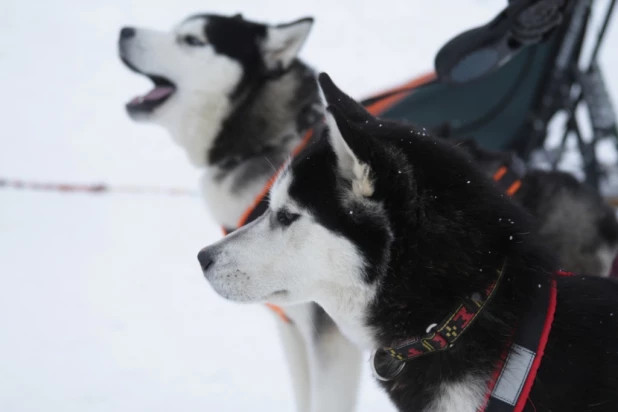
<point>163,89</point>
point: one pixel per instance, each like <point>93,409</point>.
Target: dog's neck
<point>247,139</point>
<point>455,234</point>
<point>268,120</point>
<point>455,380</point>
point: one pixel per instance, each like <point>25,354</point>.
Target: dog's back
<point>573,220</point>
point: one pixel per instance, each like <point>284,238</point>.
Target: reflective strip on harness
<point>513,378</point>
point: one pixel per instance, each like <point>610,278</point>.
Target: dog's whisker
<point>271,165</point>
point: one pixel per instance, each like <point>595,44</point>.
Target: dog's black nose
<point>205,258</point>
<point>127,33</point>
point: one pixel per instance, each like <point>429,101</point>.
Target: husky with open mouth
<point>235,97</point>
<point>422,260</point>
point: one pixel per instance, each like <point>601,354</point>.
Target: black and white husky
<point>573,220</point>
<point>234,96</point>
<point>389,230</point>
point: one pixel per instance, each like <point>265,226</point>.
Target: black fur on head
<point>433,230</point>
<point>277,90</point>
<point>247,42</point>
<point>236,38</point>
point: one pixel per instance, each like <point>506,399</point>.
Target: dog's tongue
<point>155,94</point>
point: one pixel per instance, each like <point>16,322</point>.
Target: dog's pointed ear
<point>283,42</point>
<point>335,97</point>
<point>351,147</point>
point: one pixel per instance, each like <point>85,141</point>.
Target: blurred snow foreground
<point>102,303</point>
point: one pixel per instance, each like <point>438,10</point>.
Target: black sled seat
<point>503,82</point>
<point>492,109</point>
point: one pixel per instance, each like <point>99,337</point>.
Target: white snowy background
<point>102,303</point>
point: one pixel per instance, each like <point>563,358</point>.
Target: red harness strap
<point>514,376</point>
<point>509,387</point>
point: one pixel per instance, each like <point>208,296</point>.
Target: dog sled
<point>504,83</point>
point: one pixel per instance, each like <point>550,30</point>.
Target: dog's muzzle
<point>206,259</point>
<point>127,33</point>
<point>163,87</point>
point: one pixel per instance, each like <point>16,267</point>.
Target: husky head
<point>202,68</point>
<point>373,223</point>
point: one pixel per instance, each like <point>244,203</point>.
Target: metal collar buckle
<point>380,377</point>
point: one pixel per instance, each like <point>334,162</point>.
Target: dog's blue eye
<point>286,218</point>
<point>193,41</point>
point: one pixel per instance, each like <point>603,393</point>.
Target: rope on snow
<point>95,188</point>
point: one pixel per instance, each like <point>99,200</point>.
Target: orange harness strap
<point>279,312</point>
<point>508,179</point>
<point>259,199</point>
<point>395,95</point>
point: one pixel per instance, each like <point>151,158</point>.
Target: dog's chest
<point>467,394</point>
<point>464,396</point>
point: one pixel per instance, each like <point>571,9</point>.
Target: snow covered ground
<point>102,303</point>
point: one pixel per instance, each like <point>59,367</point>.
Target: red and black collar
<point>443,336</point>
<point>509,388</point>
